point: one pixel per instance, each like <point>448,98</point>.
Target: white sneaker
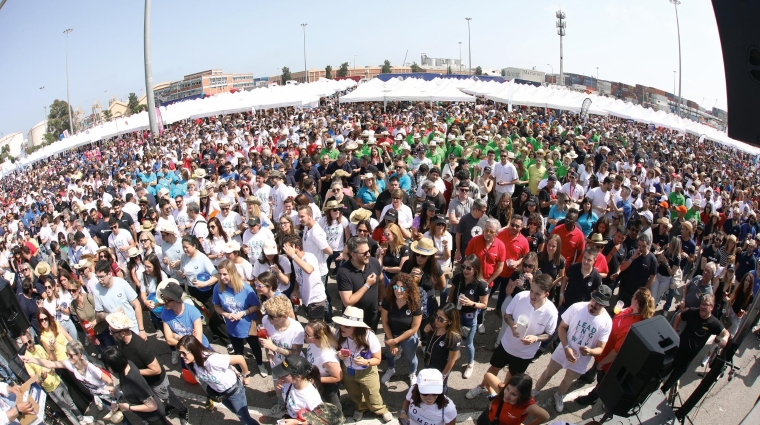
<point>412,379</point>
<point>482,329</point>
<point>467,371</point>
<point>387,417</point>
<point>534,393</point>
<point>263,370</point>
<point>559,402</point>
<point>358,415</point>
<point>473,393</point>
<point>388,375</point>
<point>175,356</point>
<point>87,420</point>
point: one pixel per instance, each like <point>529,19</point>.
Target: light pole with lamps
<point>305,72</point>
<point>469,45</point>
<point>678,29</point>
<point>150,100</point>
<point>68,99</point>
<point>460,56</point>
<point>561,26</point>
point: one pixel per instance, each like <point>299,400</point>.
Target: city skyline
<point>640,50</point>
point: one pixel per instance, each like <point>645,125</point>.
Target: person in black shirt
<point>581,280</point>
<point>661,235</point>
<point>137,396</point>
<point>700,325</point>
<point>136,351</point>
<point>401,314</point>
<point>615,253</point>
<point>442,350</point>
<point>638,270</point>
<point>386,197</point>
<point>545,196</point>
<point>360,279</point>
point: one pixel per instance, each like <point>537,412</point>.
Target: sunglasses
<point>528,266</point>
<point>468,268</point>
<point>399,288</point>
<point>397,198</point>
<point>144,240</point>
<point>363,254</point>
<point>441,319</point>
<point>271,317</point>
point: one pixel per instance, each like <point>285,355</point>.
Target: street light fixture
<point>305,72</point>
<point>68,99</point>
<point>678,29</point>
<point>469,44</point>
<point>561,26</point>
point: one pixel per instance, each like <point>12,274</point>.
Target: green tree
<point>286,75</point>
<point>343,70</point>
<point>478,71</point>
<point>328,72</point>
<point>416,68</point>
<point>141,107</point>
<point>107,115</point>
<point>132,103</point>
<point>58,118</point>
<point>386,69</point>
<point>48,139</point>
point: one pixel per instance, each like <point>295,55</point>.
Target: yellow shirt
<point>536,173</point>
<point>51,382</point>
<point>59,343</point>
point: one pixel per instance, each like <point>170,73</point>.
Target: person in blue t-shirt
<point>238,304</point>
<point>624,204</point>
<point>180,318</point>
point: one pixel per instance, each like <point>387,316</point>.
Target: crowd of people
<point>306,234</point>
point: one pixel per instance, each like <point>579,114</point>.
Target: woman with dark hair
<point>152,276</point>
<point>401,328</point>
<point>285,228</point>
<point>740,302</point>
<point>551,262</point>
<point>137,395</point>
<point>531,207</point>
<point>442,349</point>
<point>513,402</point>
<point>299,384</point>
<point>423,222</point>
<point>587,218</point>
<point>59,300</point>
<point>604,228</point>
<point>53,337</point>
<point>534,232</point>
<point>469,292</point>
<point>519,202</point>
<point>217,372</point>
<point>104,253</point>
<point>427,274</point>
<point>200,276</point>
<point>502,210</point>
<point>427,403</point>
<point>205,204</point>
<point>213,244</point>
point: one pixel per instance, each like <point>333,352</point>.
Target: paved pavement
<point>727,402</point>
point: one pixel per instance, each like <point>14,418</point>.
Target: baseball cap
<point>254,221</point>
<point>270,247</point>
<point>430,381</point>
<point>391,215</point>
<point>324,414</point>
<point>292,365</point>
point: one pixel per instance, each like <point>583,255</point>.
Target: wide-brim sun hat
<point>423,246</point>
<point>352,317</point>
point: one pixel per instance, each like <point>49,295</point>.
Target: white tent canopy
<point>409,89</point>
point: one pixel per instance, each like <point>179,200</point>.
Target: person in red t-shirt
<point>490,251</point>
<point>513,403</point>
<point>600,264</point>
<point>516,246</point>
<point>573,241</point>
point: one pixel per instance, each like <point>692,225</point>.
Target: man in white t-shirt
<point>114,294</point>
<point>601,197</point>
<point>309,282</point>
<point>232,222</point>
<point>279,193</point>
<point>583,332</point>
<point>505,175</point>
<point>490,161</point>
<point>120,241</point>
<point>263,191</point>
<point>254,238</point>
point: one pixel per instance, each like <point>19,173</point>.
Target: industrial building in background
<point>206,83</point>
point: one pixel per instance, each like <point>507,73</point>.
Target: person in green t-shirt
<point>329,150</point>
<point>454,147</point>
<point>675,199</point>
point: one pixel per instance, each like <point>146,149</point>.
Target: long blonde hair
<point>646,303</point>
<point>398,238</point>
<point>236,281</point>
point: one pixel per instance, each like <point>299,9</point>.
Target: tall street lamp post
<point>151,102</point>
<point>561,26</point>
<point>678,29</point>
<point>305,72</point>
<point>469,44</point>
<point>68,99</point>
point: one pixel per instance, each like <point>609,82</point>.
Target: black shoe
<point>586,400</point>
<point>589,378</point>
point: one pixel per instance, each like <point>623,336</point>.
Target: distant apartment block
<point>209,82</point>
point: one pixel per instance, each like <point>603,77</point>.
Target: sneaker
<point>387,417</point>
<point>108,415</point>
<point>86,420</point>
<point>175,356</point>
<point>230,349</point>
<point>559,402</point>
<point>184,419</point>
<point>473,393</point>
<point>412,379</point>
<point>388,375</point>
<point>705,360</point>
<point>263,370</point>
<point>467,371</point>
<point>358,415</point>
<point>585,400</point>
<point>482,329</point>
<point>215,339</point>
<point>209,405</point>
<point>534,393</point>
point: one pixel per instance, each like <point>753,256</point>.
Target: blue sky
<point>630,41</point>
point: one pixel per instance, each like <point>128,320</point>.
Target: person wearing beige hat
<point>231,221</point>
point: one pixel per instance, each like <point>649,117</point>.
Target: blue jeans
<point>409,354</point>
<point>106,339</point>
<point>668,299</point>
<point>238,404</point>
<point>469,343</point>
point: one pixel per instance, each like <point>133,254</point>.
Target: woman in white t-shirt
<point>58,301</point>
<point>214,243</point>
<point>321,352</point>
<point>217,372</point>
<point>284,336</point>
<point>360,354</point>
<point>335,226</point>
<point>271,261</point>
<point>298,382</point>
<point>426,403</point>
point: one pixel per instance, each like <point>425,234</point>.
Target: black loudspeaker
<point>740,41</point>
<point>645,359</point>
<point>10,311</point>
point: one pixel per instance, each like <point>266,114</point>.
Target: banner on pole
<point>584,108</point>
<point>160,121</point>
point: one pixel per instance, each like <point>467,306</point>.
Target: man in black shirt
<point>546,196</point>
<point>615,253</point>
<point>581,280</point>
<point>638,270</point>
<point>359,279</point>
<point>472,224</point>
<point>135,391</point>
<point>700,325</point>
<point>386,198</point>
<point>136,351</point>
<point>435,196</point>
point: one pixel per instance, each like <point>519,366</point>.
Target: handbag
<point>483,418</point>
<point>677,279</point>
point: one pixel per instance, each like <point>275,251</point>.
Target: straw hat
<point>147,226</point>
<point>597,238</point>
<point>200,173</point>
<point>43,268</point>
<point>133,252</point>
<point>332,205</point>
<point>359,215</point>
<point>423,246</point>
<point>119,321</point>
<point>352,316</point>
<point>83,263</point>
<point>252,200</point>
